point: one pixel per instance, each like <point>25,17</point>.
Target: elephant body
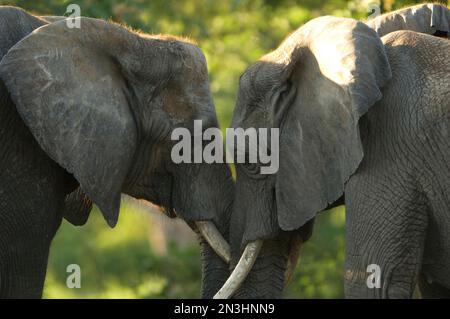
<point>398,201</point>
<point>27,222</point>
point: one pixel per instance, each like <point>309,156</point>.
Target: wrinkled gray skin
<point>360,116</point>
<point>424,18</point>
<point>85,115</point>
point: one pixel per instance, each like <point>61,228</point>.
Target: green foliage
<point>320,270</point>
<point>233,34</point>
<point>120,263</point>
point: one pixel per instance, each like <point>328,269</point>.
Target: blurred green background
<point>148,255</point>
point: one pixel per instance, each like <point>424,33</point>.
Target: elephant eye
<point>252,170</point>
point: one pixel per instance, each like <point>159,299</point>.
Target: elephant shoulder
<point>421,75</point>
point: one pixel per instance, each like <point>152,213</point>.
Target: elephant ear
<point>52,19</point>
<point>427,18</point>
<point>69,87</point>
<point>15,24</point>
<point>335,68</point>
<point>77,207</point>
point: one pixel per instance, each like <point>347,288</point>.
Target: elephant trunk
<point>248,260</point>
<point>214,235</point>
<point>264,273</point>
<point>241,271</point>
<point>266,279</point>
<point>215,255</point>
<point>214,271</point>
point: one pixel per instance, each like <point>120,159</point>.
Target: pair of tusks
<point>212,235</point>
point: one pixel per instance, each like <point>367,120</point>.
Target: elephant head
<point>101,101</point>
<point>314,88</point>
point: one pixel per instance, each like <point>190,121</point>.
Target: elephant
<point>86,115</point>
<point>363,120</point>
<point>424,18</point>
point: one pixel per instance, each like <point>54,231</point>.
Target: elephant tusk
<point>215,239</point>
<point>241,271</point>
<point>294,254</point>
